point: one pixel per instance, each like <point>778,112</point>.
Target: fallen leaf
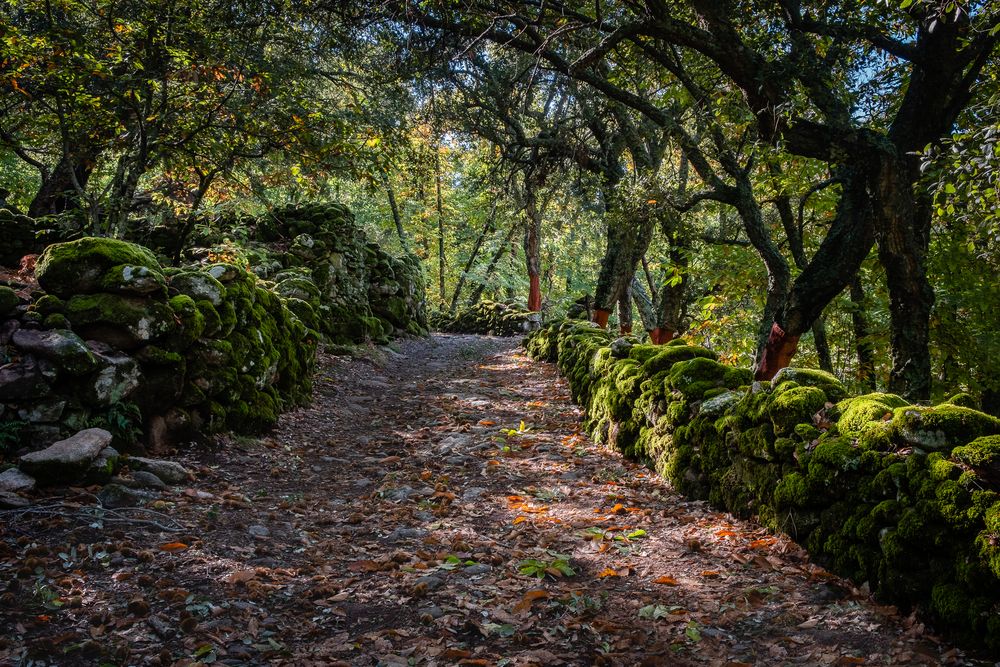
<point>173,546</point>
<point>529,598</point>
<point>666,580</point>
<point>363,566</point>
<point>710,573</point>
<point>607,572</point>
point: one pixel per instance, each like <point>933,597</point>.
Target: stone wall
<point>901,497</point>
<point>488,317</point>
<point>113,338</point>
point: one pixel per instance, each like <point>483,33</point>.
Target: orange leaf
<point>725,533</point>
<point>520,519</point>
<point>240,576</point>
<point>447,495</point>
<point>607,572</point>
<point>492,462</point>
<point>486,422</point>
<point>173,546</point>
<point>618,509</point>
<point>529,597</point>
<point>666,580</point>
<point>710,573</point>
<point>762,543</point>
<point>363,566</point>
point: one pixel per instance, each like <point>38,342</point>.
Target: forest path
<point>398,520</point>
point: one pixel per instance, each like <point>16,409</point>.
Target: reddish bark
<point>601,317</point>
<point>777,354</point>
<point>660,336</point>
<point>534,293</point>
<point>625,329</point>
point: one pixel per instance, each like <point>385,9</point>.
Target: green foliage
<point>123,420</point>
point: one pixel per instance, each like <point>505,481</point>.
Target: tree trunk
<point>394,209</point>
<point>863,346</point>
<point>494,261</point>
<point>627,243</point>
<point>532,245</point>
<point>903,231</point>
<point>672,294</point>
<point>442,263</point>
<point>822,345</point>
<point>834,265</point>
<point>625,310</point>
<point>487,230</point>
<point>644,304</point>
<point>57,193</point>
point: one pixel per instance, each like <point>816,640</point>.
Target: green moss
<point>662,358</point>
<point>213,321</point>
<point>942,427</point>
<point>48,304</point>
<point>191,321</point>
<point>9,301</point>
<point>982,455</point>
<point>122,321</point>
<point>78,267</point>
<point>792,491</point>
<point>795,406</point>
<point>856,413</point>
<point>963,400</point>
<point>129,279</point>
<point>694,377</point>
<point>808,377</point>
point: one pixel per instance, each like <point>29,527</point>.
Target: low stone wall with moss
<point>902,497</point>
<point>112,337</point>
<point>491,318</point>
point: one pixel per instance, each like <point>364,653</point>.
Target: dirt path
<point>433,507</point>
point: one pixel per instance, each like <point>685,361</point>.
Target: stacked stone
<point>194,350</point>
<point>487,317</point>
<point>903,497</point>
<point>333,276</point>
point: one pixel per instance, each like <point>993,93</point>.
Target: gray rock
<point>199,286</point>
<point>22,380</point>
<point>477,569</point>
<point>42,412</point>
<point>118,378</point>
<point>147,480</point>
<point>13,480</point>
<point>12,501</point>
<point>406,534</point>
<point>259,531</point>
<point>170,472</point>
<point>454,442</point>
<point>115,495</point>
<point>715,406</point>
<point>431,580</point>
<point>103,467</point>
<point>434,611</point>
<point>130,279</point>
<point>398,495</point>
<point>68,459</point>
<point>61,346</point>
<point>473,492</point>
<point>620,348</point>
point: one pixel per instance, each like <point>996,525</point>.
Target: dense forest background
<point>763,178</point>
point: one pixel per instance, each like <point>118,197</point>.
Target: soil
<point>436,505</point>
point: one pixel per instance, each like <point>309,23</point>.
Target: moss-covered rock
<point>9,300</point>
<point>124,322</point>
<point>856,412</point>
<point>942,427</point>
<point>128,279</point>
<point>199,285</point>
<point>809,377</point>
<point>79,267</point>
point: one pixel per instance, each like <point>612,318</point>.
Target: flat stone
<point>477,569</point>
<point>259,531</point>
<point>398,495</point>
<point>473,492</point>
<point>14,480</point>
<point>118,378</point>
<point>12,501</point>
<point>170,472</point>
<point>147,480</point>
<point>42,412</point>
<point>406,534</point>
<point>116,495</point>
<point>67,459</point>
<point>431,581</point>
<point>21,380</point>
<point>456,441</point>
<point>61,346</point>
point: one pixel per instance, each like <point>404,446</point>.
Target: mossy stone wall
<point>903,497</point>
<point>487,317</point>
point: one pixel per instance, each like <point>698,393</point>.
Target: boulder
<point>79,267</point>
<point>63,347</point>
<point>124,322</point>
<point>12,501</point>
<point>42,412</point>
<point>9,300</point>
<point>103,467</point>
<point>114,496</point>
<point>200,286</point>
<point>170,472</point>
<point>13,480</point>
<point>66,460</point>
